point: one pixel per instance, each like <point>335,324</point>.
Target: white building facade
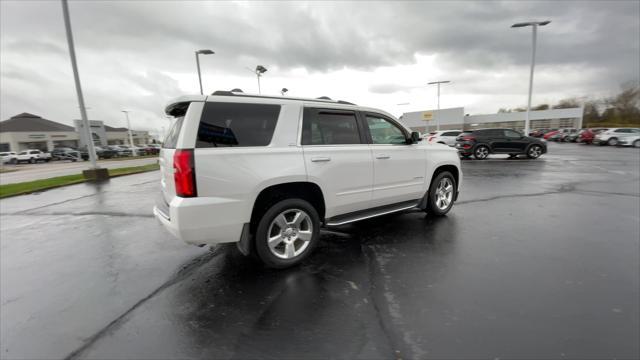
<point>455,119</point>
<point>28,131</point>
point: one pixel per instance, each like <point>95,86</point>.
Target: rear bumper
<point>464,148</point>
<point>202,220</point>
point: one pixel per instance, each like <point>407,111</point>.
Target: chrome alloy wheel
<point>290,233</point>
<point>535,151</point>
<point>482,152</point>
<point>444,193</point>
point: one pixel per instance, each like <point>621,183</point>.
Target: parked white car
<point>447,137</point>
<point>33,156</point>
<point>9,157</point>
<point>612,136</point>
<point>631,140</point>
<point>268,172</point>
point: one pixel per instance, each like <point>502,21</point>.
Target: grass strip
<point>50,183</point>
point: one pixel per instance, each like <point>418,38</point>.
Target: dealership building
<point>28,131</point>
<point>456,119</point>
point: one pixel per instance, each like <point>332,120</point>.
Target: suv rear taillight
<point>468,138</point>
<point>184,173</point>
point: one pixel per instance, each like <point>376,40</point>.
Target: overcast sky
<point>136,55</point>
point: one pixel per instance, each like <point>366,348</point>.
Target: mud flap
<point>244,245</point>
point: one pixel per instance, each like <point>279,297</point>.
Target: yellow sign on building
<point>427,116</point>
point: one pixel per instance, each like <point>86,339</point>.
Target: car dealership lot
<point>30,172</point>
<point>538,259</point>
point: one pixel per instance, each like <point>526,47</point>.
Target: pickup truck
<point>33,156</point>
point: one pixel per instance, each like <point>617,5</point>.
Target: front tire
<point>534,151</point>
<point>441,194</point>
<point>636,144</point>
<point>481,152</point>
<point>32,160</point>
<point>287,233</point>
<point>612,142</point>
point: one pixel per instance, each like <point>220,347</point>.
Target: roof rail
<point>238,92</point>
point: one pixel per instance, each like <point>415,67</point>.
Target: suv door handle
<point>320,159</point>
<point>383,156</point>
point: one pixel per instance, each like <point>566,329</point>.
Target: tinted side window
<point>172,137</point>
<point>329,128</point>
<point>384,132</point>
<point>512,134</point>
<point>235,124</point>
<point>451,133</point>
<point>490,133</point>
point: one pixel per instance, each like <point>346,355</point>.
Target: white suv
<point>612,136</point>
<point>268,172</point>
<point>447,137</point>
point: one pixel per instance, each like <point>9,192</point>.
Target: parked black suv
<point>481,143</point>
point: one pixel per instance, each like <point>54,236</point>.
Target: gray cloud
<point>141,43</point>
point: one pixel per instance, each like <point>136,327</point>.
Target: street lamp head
<point>205,52</point>
<point>284,90</point>
<point>439,82</point>
<point>531,23</point>
<point>261,69</point>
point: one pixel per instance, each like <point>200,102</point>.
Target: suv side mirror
<point>415,137</point>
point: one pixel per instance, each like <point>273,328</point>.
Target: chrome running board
<point>370,213</point>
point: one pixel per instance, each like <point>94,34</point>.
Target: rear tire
<point>287,233</point>
<point>636,144</point>
<point>481,152</point>
<point>32,160</point>
<point>442,193</point>
<point>612,142</point>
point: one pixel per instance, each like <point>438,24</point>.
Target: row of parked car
<point>483,142</point>
<point>66,153</point>
<point>597,136</point>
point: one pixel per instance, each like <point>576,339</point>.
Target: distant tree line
<point>622,109</point>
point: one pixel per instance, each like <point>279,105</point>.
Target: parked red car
<point>587,135</point>
<point>550,134</point>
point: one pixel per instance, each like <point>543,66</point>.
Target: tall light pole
<point>83,110</point>
<point>534,25</point>
<point>259,71</point>
<point>133,150</point>
<point>198,53</point>
<point>438,83</point>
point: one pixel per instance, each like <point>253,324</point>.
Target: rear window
<point>171,139</point>
<point>236,124</point>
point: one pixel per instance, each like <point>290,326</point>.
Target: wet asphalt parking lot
<point>538,259</point>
